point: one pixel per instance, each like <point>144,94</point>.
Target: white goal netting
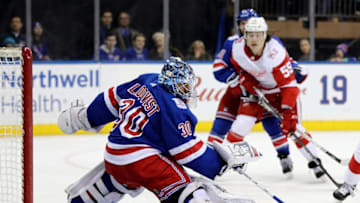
<point>11,126</point>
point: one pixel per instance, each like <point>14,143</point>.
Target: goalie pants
<point>157,173</point>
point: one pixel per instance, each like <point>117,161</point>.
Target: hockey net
<point>16,170</point>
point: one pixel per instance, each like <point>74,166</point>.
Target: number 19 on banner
<point>339,84</point>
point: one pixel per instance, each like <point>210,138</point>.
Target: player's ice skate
<point>318,172</point>
<point>286,165</point>
<point>344,191</point>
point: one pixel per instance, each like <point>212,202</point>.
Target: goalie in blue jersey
<point>151,141</point>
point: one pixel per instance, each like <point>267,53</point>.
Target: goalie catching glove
<point>75,118</point>
<point>237,154</point>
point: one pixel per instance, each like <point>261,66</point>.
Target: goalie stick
<point>261,187</point>
<point>262,101</point>
<point>237,155</point>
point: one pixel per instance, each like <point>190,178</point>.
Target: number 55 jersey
<point>272,69</point>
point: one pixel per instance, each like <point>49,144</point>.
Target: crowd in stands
<point>124,43</point>
<point>16,38</point>
<point>339,55</point>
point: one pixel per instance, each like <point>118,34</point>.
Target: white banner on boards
<point>329,93</point>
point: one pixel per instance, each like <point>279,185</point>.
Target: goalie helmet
<point>256,24</point>
<point>246,14</point>
<point>178,78</point>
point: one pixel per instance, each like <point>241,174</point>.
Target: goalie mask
<point>178,78</point>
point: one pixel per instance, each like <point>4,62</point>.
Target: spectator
<point>157,52</point>
<point>124,33</point>
<point>16,26</point>
<point>39,44</point>
<point>109,51</point>
<point>340,54</point>
<point>106,25</point>
<point>197,52</point>
<point>9,42</point>
<point>137,52</point>
<point>305,48</point>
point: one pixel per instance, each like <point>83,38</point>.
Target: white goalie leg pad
<point>100,193</point>
<point>88,179</point>
<point>75,118</point>
<point>204,190</point>
<point>196,190</point>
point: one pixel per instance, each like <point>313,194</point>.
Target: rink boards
<point>330,97</point>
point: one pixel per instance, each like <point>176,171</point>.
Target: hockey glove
<point>289,122</point>
<point>233,80</point>
<point>249,82</point>
<point>300,75</point>
<point>237,155</point>
<point>74,118</point>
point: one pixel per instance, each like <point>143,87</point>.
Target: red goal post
<point>16,126</point>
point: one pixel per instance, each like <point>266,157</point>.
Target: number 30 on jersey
<point>132,119</point>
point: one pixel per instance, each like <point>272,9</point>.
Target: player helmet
<point>246,14</point>
<point>256,24</point>
<point>178,78</point>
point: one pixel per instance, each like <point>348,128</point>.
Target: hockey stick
<point>343,162</point>
<point>262,188</point>
<point>266,105</point>
<point>315,159</point>
<point>263,102</point>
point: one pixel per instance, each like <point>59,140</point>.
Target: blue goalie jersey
<point>148,120</point>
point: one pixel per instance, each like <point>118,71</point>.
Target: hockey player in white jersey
<point>151,141</point>
<point>262,62</point>
<point>224,72</point>
<point>351,177</point>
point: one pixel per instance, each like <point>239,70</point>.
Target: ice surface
<point>61,160</point>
